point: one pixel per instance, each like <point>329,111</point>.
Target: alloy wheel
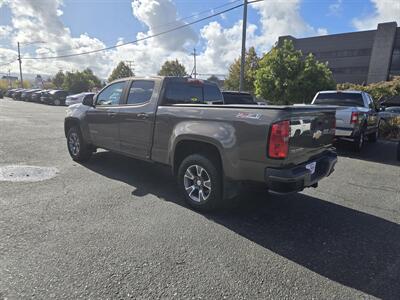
<point>74,143</point>
<point>197,183</point>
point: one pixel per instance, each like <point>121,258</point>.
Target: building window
<point>342,53</point>
<point>395,65</point>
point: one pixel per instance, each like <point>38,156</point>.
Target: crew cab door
<point>103,118</point>
<point>136,118</point>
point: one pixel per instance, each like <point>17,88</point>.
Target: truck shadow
<point>350,247</point>
<point>384,152</point>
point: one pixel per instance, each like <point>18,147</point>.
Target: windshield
<point>340,99</point>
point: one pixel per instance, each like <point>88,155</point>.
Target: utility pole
<point>194,71</point>
<point>243,56</point>
<point>129,63</point>
<point>9,78</point>
<point>20,67</point>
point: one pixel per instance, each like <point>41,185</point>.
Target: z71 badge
<point>243,115</point>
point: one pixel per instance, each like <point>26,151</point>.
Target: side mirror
<point>88,101</point>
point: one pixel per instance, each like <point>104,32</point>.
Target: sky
<point>49,28</point>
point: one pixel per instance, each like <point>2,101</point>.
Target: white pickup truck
<point>356,115</point>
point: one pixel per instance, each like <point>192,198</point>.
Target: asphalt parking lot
<point>117,228</point>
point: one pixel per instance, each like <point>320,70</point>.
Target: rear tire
<point>57,102</point>
<point>199,180</point>
<point>77,147</point>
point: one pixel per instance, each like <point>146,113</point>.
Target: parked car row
<point>51,97</point>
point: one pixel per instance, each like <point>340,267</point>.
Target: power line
<point>142,39</point>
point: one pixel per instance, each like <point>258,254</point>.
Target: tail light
<point>278,146</point>
<point>354,118</point>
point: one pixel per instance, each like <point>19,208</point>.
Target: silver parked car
<point>78,98</point>
<point>356,115</point>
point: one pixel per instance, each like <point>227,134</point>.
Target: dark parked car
<point>232,97</point>
<point>9,92</point>
<point>26,95</point>
<point>17,94</point>
<point>54,97</point>
<point>211,149</point>
<point>389,113</point>
<point>35,97</point>
<point>1,94</point>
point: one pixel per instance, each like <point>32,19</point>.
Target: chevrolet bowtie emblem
<point>317,134</point>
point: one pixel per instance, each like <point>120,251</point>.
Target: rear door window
<point>140,91</point>
<point>340,99</point>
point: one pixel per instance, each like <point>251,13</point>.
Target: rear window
<point>140,91</point>
<point>191,93</point>
<point>340,99</point>
<point>238,99</point>
<point>183,92</point>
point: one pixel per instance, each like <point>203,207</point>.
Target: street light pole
<point>243,56</point>
<point>20,67</point>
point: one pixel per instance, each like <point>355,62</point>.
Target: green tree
<point>285,77</point>
<point>172,68</point>
<point>121,71</point>
<point>94,81</point>
<point>250,69</point>
<point>77,82</point>
<point>58,80</point>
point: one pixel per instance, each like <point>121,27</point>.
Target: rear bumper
<point>344,132</point>
<point>283,181</point>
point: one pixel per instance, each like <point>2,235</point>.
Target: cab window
<point>111,95</point>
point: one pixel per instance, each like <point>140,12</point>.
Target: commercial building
<point>358,57</point>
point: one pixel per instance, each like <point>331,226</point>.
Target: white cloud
<point>40,21</point>
<point>282,17</point>
<point>34,21</point>
<point>5,31</point>
<point>149,12</point>
<point>335,8</point>
<point>384,11</point>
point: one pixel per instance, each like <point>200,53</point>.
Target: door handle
<point>112,114</point>
<point>142,115</point>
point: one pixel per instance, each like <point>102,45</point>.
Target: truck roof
<point>340,91</point>
<point>169,78</point>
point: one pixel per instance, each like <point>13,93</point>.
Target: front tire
<point>199,180</point>
<point>77,147</point>
<point>57,102</point>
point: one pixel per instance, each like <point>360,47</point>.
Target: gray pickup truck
<point>210,148</point>
<point>356,115</point>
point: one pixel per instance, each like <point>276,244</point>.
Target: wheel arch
<point>186,147</point>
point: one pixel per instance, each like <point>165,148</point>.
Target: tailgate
<point>311,132</point>
<point>343,116</point>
